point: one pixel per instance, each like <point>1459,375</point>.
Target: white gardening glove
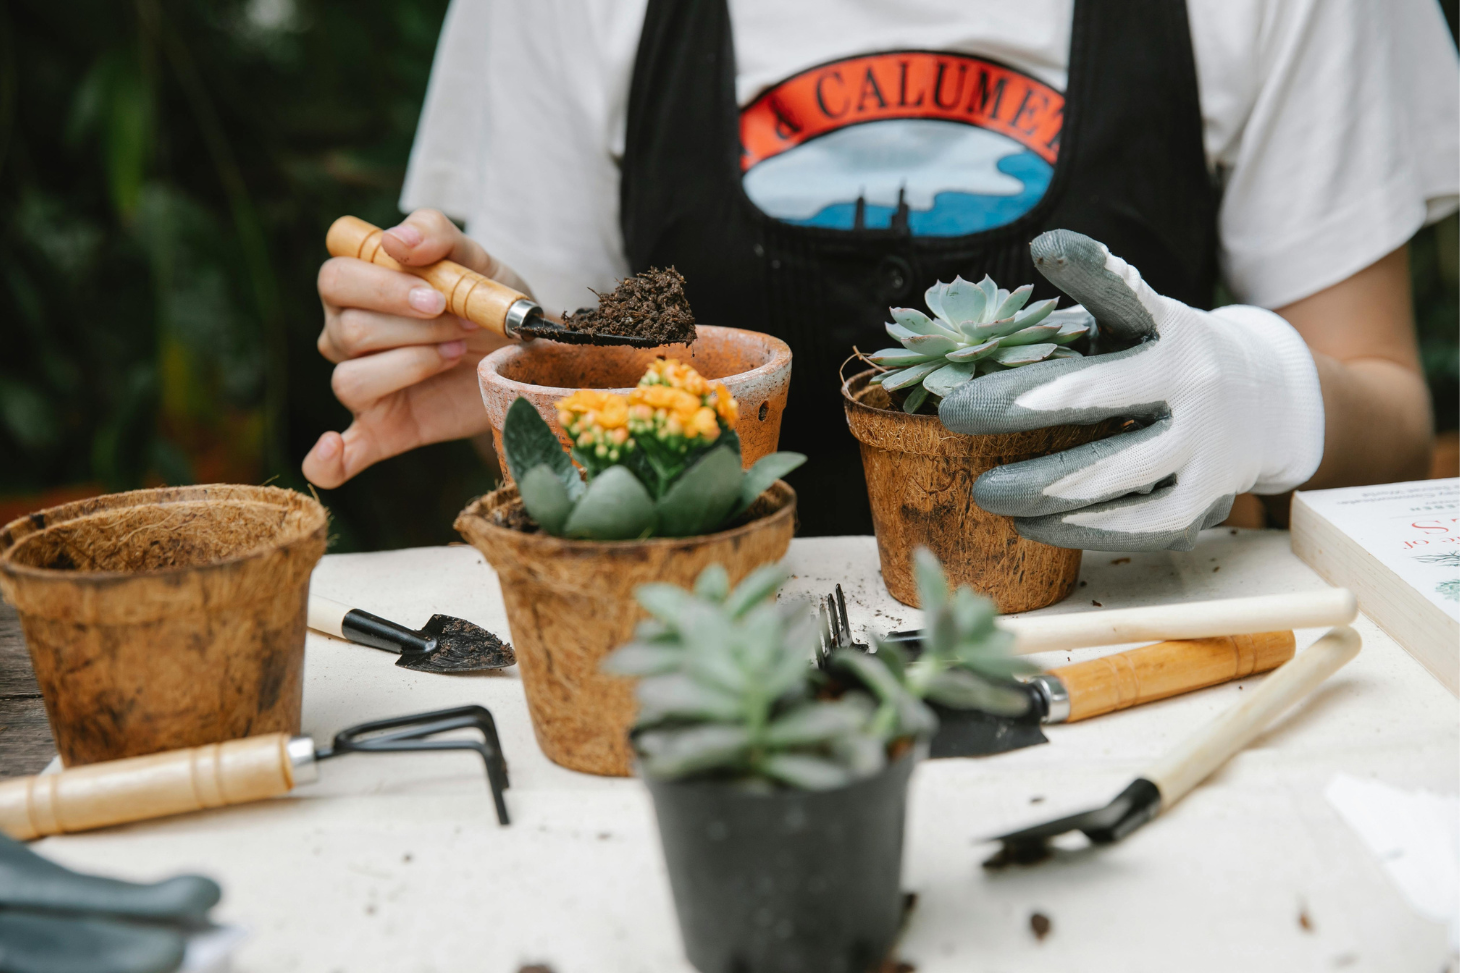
<point>1229,401</point>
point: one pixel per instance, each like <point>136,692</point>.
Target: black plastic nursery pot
<point>787,881</point>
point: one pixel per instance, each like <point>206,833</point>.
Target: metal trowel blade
<point>461,647</point>
<point>974,733</point>
<point>541,328</point>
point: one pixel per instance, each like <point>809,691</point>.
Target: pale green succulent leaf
<point>898,357</point>
<point>703,496</point>
<point>862,753</point>
<point>1023,354</point>
<point>898,333</point>
<point>958,689</point>
<point>914,400</point>
<point>932,583</point>
<point>912,716</point>
<point>933,297</point>
<point>1065,353</point>
<point>973,352</point>
<point>931,344</point>
<point>964,302</point>
<point>758,479</point>
<point>616,506</point>
<point>911,376</point>
<point>758,585</point>
<point>818,722</point>
<point>545,498</point>
<point>1030,336</point>
<point>670,754</point>
<point>713,584</point>
<point>644,659</point>
<point>664,601</point>
<point>1035,313</point>
<point>680,696</point>
<point>1009,305</point>
<point>919,323</point>
<point>949,377</point>
<point>807,773</point>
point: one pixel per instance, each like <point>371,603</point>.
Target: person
<point>806,166</point>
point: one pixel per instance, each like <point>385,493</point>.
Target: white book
<point>1397,547</point>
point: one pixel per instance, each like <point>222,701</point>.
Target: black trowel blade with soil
<point>974,733</point>
<point>460,647</point>
<point>540,327</point>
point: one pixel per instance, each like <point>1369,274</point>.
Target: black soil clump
<point>650,305</point>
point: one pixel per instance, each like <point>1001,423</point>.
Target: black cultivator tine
<point>413,734</point>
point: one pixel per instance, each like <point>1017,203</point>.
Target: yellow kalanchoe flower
<point>597,422</point>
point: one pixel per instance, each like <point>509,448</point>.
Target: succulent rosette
<point>975,329</point>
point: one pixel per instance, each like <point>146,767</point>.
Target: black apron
<point>1130,172</point>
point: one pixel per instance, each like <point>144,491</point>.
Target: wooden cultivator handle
<point>468,294</point>
<point>159,784</point>
<point>1126,679</point>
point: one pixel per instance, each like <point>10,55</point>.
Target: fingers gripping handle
<point>1126,679</point>
<point>468,294</point>
<point>138,788</point>
<point>1191,762</point>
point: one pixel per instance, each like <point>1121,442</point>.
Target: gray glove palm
<point>1229,400</point>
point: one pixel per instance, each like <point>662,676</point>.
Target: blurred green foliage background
<point>168,169</point>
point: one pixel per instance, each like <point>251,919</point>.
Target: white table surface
<point>396,863</point>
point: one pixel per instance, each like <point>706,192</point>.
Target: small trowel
<point>443,644</point>
<point>1081,690</point>
<point>495,307</point>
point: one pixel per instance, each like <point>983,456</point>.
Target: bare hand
<point>402,367</point>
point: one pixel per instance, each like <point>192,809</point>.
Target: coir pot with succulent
<point>780,789</point>
<point>654,490</point>
<point>920,476</point>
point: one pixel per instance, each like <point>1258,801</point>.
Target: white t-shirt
<point>1334,125</point>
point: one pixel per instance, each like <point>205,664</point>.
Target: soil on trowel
<point>650,305</point>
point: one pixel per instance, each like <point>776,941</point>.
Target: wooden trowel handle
<point>1152,672</point>
<point>469,295</point>
<point>159,784</point>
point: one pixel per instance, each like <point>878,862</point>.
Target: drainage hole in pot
<point>765,408</point>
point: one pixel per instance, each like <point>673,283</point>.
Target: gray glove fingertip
<point>1057,532</point>
<point>1021,489</point>
<point>987,405</point>
<point>1076,264</point>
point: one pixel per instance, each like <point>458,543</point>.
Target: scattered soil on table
<point>650,305</point>
<point>1018,853</point>
<point>1039,924</point>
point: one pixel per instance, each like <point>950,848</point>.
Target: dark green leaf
<point>529,441</point>
<point>615,507</point>
<point>545,498</point>
<point>701,499</point>
<point>760,476</point>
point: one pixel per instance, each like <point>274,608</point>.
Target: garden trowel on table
<point>443,644</point>
<point>1122,680</point>
<point>495,307</point>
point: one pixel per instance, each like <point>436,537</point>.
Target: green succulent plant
<point>706,491</point>
<point>966,661</point>
<point>975,329</point>
<point>727,691</point>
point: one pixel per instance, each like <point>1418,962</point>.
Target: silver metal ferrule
<point>301,760</point>
<point>1056,697</point>
<point>517,315</point>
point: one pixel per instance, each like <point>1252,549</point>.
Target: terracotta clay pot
<point>161,619</point>
<point>920,482</point>
<point>755,367</point>
<point>570,603</point>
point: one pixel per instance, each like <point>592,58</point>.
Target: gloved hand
<point>54,920</point>
<point>1229,399</point>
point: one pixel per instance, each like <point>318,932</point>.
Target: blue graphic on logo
<point>951,179</point>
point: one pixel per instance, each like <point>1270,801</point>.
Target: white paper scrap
<point>1416,836</point>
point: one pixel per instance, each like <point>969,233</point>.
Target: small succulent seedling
<point>662,461</point>
<point>975,329</point>
<point>966,660</point>
<point>726,691</point>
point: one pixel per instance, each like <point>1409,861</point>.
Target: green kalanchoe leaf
<point>614,507</point>
<point>529,441</point>
<point>764,472</point>
<point>545,498</point>
<point>703,496</point>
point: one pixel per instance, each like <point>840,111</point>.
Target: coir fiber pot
<point>571,602</point>
<point>920,483</point>
<point>168,618</point>
<point>787,881</point>
<point>755,367</point>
